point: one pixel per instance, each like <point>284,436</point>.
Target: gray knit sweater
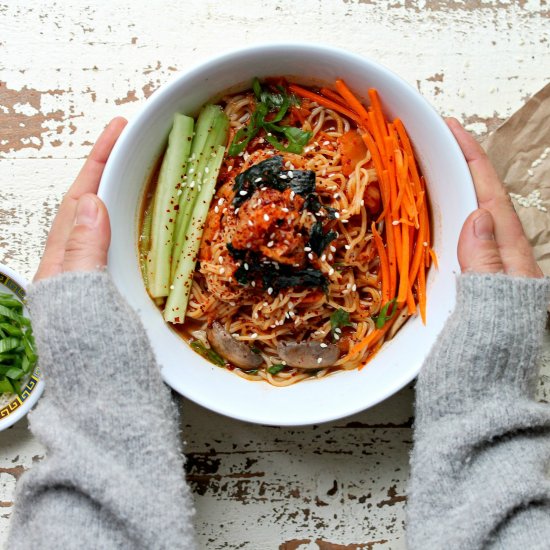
<point>114,459</point>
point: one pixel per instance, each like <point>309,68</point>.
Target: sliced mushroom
<point>237,353</point>
<point>309,355</point>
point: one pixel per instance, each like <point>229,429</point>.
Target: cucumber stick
<point>176,305</point>
<point>210,132</point>
<point>170,179</point>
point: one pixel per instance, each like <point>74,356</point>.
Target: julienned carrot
<point>405,141</point>
<point>377,134</point>
<point>421,292</point>
<point>378,113</point>
<point>374,336</point>
<point>302,92</point>
<point>419,247</point>
<point>408,253</point>
<point>329,94</point>
<point>433,256</point>
<point>384,265</point>
<point>404,268</point>
<point>353,102</point>
<point>379,168</point>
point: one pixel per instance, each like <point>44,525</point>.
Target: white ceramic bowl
<point>19,406</point>
<point>452,199</point>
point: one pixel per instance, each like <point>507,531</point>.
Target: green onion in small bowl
<point>20,383</point>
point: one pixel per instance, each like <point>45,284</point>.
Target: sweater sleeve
<point>113,476</point>
<point>482,442</point>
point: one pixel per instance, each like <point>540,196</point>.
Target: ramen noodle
<point>316,240</point>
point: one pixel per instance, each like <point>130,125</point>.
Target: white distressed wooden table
<point>67,67</point>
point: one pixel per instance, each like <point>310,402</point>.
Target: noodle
<point>350,262</point>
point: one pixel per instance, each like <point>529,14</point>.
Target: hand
<point>492,238</point>
<point>80,234</point>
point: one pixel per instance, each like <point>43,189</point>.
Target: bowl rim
<point>310,49</point>
<point>13,415</point>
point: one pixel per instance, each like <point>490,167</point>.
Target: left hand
<point>80,234</point>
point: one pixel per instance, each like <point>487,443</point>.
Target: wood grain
<point>67,68</point>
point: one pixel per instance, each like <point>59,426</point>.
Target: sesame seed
<point>362,202</point>
<point>171,287</point>
<point>220,202</point>
<point>266,217</point>
<point>337,215</point>
<point>290,174</point>
<point>324,258</point>
<point>180,192</point>
<point>250,223</point>
<point>331,271</point>
<point>191,185</point>
<point>216,209</point>
<point>254,335</point>
<point>354,287</point>
<point>206,169</point>
<point>270,291</point>
<point>338,330</point>
<point>347,246</point>
<point>310,256</point>
<point>269,244</point>
<point>395,222</point>
<point>332,248</point>
<point>245,266</point>
<point>253,283</point>
<point>242,193</point>
<point>425,243</point>
<point>257,180</point>
<point>326,142</point>
<point>307,249</point>
<point>282,176</point>
<point>319,360</point>
<point>220,259</point>
<point>222,270</point>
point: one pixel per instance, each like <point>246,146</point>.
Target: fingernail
<point>86,211</point>
<point>483,227</point>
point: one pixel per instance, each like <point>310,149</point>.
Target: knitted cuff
<point>488,347</point>
<point>88,338</point>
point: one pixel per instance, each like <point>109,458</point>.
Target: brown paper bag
<point>520,152</point>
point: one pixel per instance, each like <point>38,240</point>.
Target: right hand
<point>492,238</point>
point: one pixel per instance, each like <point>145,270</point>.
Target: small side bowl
<point>19,406</point>
<point>452,199</point>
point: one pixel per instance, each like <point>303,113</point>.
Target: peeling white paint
<point>71,64</point>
